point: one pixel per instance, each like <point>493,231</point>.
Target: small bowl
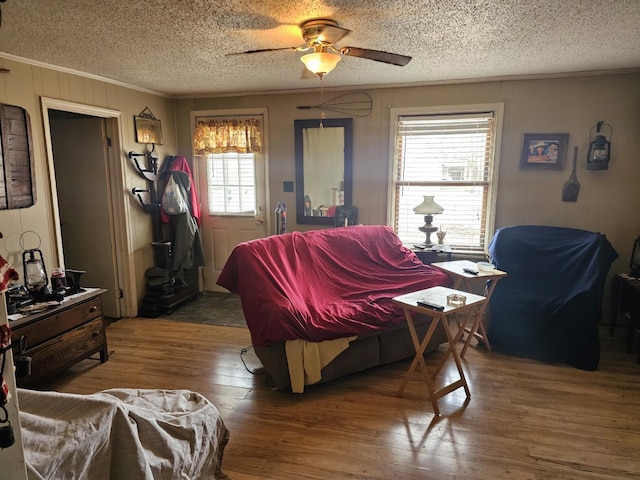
<point>485,267</point>
<point>455,300</point>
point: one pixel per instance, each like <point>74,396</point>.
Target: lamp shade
<point>320,63</point>
<point>428,206</point>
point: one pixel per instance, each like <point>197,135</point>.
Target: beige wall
<point>607,201</point>
<point>25,86</point>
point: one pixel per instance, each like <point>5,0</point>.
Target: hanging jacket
<point>180,164</point>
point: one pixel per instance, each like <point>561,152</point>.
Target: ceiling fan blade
<point>261,51</point>
<point>377,55</point>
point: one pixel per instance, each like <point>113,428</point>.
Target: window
<point>453,156</point>
<point>231,185</point>
<point>230,147</point>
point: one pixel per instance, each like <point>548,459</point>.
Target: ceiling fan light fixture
<point>320,63</point>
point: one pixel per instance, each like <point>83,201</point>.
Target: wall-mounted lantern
<point>599,148</point>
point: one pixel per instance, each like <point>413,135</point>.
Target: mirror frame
<point>299,126</point>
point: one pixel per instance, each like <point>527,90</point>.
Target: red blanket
<point>324,284</point>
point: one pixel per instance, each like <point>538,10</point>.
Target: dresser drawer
<point>65,350</point>
<point>62,321</point>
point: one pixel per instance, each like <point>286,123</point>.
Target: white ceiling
<point>178,47</point>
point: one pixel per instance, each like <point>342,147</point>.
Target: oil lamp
<point>35,273</point>
<point>599,148</point>
<point>428,208</point>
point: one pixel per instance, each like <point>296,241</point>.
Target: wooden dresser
<point>61,336</point>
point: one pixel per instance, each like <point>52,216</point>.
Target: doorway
<point>222,231</point>
<point>86,182</point>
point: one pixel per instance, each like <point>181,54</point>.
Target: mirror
<point>323,168</point>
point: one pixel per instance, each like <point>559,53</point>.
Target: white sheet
<point>122,434</point>
<point>307,359</point>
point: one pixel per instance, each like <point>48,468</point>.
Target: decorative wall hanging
<point>544,151</point>
<point>357,104</point>
<point>17,172</point>
<point>571,187</point>
<point>148,128</point>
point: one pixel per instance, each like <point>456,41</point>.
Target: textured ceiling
<point>178,47</point>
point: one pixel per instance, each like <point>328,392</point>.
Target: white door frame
<point>119,208</point>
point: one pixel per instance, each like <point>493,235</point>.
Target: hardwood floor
<point>525,419</point>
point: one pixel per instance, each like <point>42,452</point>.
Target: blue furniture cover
<point>549,305</point>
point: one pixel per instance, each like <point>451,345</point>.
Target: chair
<point>345,215</point>
<point>550,304</point>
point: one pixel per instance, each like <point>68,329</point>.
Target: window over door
<point>451,154</point>
<point>231,183</point>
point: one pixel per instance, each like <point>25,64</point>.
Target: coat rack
<point>150,173</point>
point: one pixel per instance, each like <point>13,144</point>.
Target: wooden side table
<point>437,295</point>
<point>463,279</point>
<point>428,256</point>
<point>625,299</point>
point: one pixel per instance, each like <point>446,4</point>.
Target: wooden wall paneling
<point>76,89</point>
<point>51,81</point>
<point>65,86</point>
<point>112,97</point>
<point>87,85</point>
<point>37,80</point>
<point>3,90</point>
<point>99,93</point>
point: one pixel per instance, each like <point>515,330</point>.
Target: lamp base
<point>428,229</point>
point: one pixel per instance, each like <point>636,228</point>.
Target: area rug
<point>210,308</point>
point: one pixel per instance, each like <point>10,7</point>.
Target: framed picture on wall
<point>148,128</point>
<point>544,151</point>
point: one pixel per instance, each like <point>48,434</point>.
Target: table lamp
<point>428,208</point>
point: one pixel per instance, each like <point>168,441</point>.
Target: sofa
<point>550,304</point>
<point>123,434</point>
<point>318,304</point>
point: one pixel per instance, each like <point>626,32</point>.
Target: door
<point>222,232</point>
<point>80,159</point>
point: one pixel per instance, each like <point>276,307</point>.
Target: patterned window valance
<point>228,135</point>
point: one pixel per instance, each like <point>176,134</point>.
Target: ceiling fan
<point>320,35</point>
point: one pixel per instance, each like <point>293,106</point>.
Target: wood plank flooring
<point>525,419</point>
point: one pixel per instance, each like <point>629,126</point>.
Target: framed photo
<point>544,151</point>
<point>148,130</point>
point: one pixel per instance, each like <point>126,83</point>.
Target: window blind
<point>231,184</point>
<point>451,158</point>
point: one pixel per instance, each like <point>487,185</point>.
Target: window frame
<point>494,167</point>
<point>242,213</point>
